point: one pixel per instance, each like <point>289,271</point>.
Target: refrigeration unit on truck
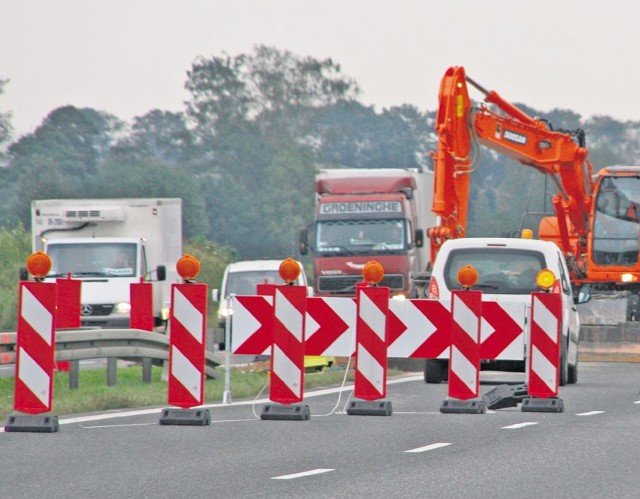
<point>109,244</point>
<point>369,214</point>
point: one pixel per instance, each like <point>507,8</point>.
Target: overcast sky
<point>127,57</point>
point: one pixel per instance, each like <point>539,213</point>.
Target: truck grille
<point>346,284</point>
<point>97,310</point>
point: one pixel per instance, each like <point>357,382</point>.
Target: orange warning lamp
<point>373,272</point>
<point>467,276</point>
<point>289,270</point>
<point>545,279</point>
<point>39,264</point>
<point>188,267</point>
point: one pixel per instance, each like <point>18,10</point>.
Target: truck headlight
<point>122,308</point>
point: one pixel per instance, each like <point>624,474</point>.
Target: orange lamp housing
<point>467,276</point>
<point>545,279</point>
<point>373,272</point>
<point>188,267</point>
<point>39,264</point>
<point>289,270</point>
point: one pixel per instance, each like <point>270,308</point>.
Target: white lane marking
<point>303,474</point>
<point>637,402</point>
<point>117,425</point>
<point>429,447</point>
<point>518,425</point>
<point>590,413</point>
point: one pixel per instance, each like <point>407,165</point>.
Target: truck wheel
<point>436,371</point>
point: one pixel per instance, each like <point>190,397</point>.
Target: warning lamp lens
<point>467,276</point>
<point>545,279</point>
<point>39,264</point>
<point>289,270</point>
<point>373,272</point>
<point>526,234</point>
<point>188,267</point>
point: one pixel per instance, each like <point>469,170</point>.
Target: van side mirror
<point>303,245</point>
<point>583,294</point>
<point>161,273</point>
<point>419,238</point>
<point>23,274</point>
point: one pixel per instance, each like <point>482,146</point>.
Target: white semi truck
<point>109,244</point>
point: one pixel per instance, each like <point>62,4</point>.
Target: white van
<point>507,270</point>
<point>242,278</point>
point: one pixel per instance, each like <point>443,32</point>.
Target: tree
<point>60,159</point>
<point>159,136</point>
<point>5,122</point>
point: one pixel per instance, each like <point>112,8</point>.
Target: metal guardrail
<point>86,344</point>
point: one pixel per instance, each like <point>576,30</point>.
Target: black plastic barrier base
<point>550,404</point>
<point>185,417</point>
<point>34,424</point>
<point>370,408</point>
<point>455,406</point>
<point>505,396</point>
<point>285,412</point>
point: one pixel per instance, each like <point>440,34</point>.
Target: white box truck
<point>109,244</point>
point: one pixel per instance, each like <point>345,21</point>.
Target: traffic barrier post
<point>544,354</point>
<point>464,357</point>
<point>188,316</point>
<point>35,360</point>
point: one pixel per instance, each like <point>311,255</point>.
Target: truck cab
<point>363,215</point>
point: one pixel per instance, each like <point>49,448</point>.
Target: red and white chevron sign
<point>544,358</point>
<point>287,353</point>
<point>186,344</point>
<point>330,327</point>
<point>464,364</point>
<point>418,328</point>
<point>33,390</point>
<point>502,330</point>
<point>371,343</point>
<point>252,325</point>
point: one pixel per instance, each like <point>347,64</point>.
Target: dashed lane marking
<point>429,447</point>
<point>303,474</point>
<point>518,425</point>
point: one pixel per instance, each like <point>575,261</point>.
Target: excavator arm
<point>462,126</point>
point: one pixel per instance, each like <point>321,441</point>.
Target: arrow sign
<point>418,328</point>
<point>330,327</point>
<point>252,325</point>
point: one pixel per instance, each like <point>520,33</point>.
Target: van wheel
<point>436,371</point>
<point>573,373</point>
<point>564,365</point>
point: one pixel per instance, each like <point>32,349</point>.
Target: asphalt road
<point>590,450</point>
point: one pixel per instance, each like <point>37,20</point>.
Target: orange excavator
<point>596,222</point>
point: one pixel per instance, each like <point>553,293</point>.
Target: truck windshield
<point>500,270</point>
<point>360,237</point>
<point>616,224</point>
<point>99,259</point>
<point>245,283</point>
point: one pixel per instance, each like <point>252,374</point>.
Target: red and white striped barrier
<point>68,310</point>
<point>544,357</point>
<point>287,352</point>
<point>464,364</point>
<point>36,347</point>
<point>187,344</point>
<point>371,343</point>
<point>252,325</point>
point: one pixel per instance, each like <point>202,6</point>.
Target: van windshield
<point>500,270</point>
<point>245,283</point>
